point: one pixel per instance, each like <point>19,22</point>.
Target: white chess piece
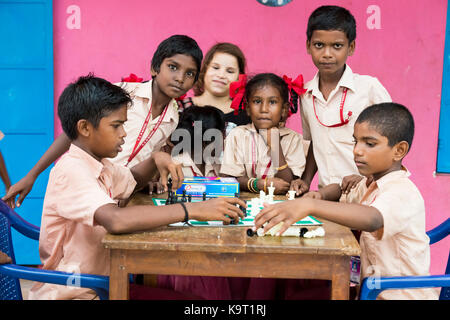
<point>291,195</point>
<point>262,197</point>
<point>271,192</point>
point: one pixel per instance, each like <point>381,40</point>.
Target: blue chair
<point>371,287</point>
<point>11,273</point>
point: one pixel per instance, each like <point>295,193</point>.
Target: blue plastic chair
<point>11,273</point>
<point>371,287</point>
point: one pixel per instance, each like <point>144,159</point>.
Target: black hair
<point>262,79</point>
<point>392,120</point>
<point>210,117</point>
<point>89,98</point>
<point>177,44</point>
<point>332,18</point>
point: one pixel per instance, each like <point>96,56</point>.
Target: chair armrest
<point>100,284</point>
<point>440,232</point>
<point>372,287</point>
<point>17,222</point>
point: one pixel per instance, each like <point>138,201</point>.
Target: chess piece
<point>291,195</point>
<point>271,192</point>
<point>183,198</point>
<point>204,196</point>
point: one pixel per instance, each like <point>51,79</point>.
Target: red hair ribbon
<point>181,98</point>
<point>132,78</point>
<point>237,92</point>
<point>296,85</point>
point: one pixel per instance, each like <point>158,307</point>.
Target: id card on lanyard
<point>138,147</point>
<point>254,160</point>
<point>341,112</point>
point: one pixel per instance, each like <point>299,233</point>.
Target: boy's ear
<point>307,46</point>
<point>351,48</point>
<point>84,128</point>
<point>153,72</point>
<point>400,150</point>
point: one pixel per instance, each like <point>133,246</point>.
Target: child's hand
<point>223,209</point>
<point>313,195</point>
<point>23,188</point>
<point>166,166</point>
<point>4,258</point>
<point>299,186</point>
<point>281,186</point>
<point>349,182</point>
<point>155,187</point>
<point>287,212</point>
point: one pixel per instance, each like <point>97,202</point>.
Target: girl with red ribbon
<point>264,152</point>
<point>222,72</point>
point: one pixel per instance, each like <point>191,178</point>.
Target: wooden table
<point>228,251</point>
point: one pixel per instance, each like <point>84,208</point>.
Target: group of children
<point>121,137</point>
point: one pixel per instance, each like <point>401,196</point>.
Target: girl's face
<point>265,107</point>
<point>222,70</point>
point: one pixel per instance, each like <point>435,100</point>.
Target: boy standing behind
<point>334,99</point>
<point>151,118</point>
<point>84,187</point>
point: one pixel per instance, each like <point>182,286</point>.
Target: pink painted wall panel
<point>400,42</point>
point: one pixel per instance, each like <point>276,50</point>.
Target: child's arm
<point>302,185</point>
<point>158,162</point>
<point>276,152</point>
<point>4,173</point>
<point>24,186</point>
<point>139,218</point>
<point>281,186</point>
<point>355,216</point>
<point>4,258</point>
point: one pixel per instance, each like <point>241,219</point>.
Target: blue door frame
<point>443,156</point>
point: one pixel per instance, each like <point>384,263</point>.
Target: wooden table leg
<point>340,280</point>
<point>118,280</point>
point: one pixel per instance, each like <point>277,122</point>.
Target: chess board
<point>247,221</point>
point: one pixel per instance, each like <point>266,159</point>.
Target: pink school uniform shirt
<point>333,147</point>
<point>401,247</point>
<point>141,93</point>
<point>190,169</point>
<point>70,239</point>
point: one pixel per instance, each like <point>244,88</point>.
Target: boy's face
<point>372,154</point>
<point>105,141</point>
<point>329,50</point>
<point>265,107</point>
<point>176,75</point>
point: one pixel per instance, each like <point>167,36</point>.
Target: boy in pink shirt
<point>386,205</point>
<point>81,201</point>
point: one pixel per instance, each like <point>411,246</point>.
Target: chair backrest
<point>436,235</point>
<point>9,287</point>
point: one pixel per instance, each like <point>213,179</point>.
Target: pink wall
<point>400,42</point>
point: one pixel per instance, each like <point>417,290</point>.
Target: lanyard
<point>254,162</point>
<point>341,112</point>
<point>196,175</point>
<point>138,147</point>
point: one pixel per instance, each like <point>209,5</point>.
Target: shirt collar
<point>186,160</point>
<point>96,166</point>
<point>345,81</point>
<point>394,175</point>
<point>251,127</point>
